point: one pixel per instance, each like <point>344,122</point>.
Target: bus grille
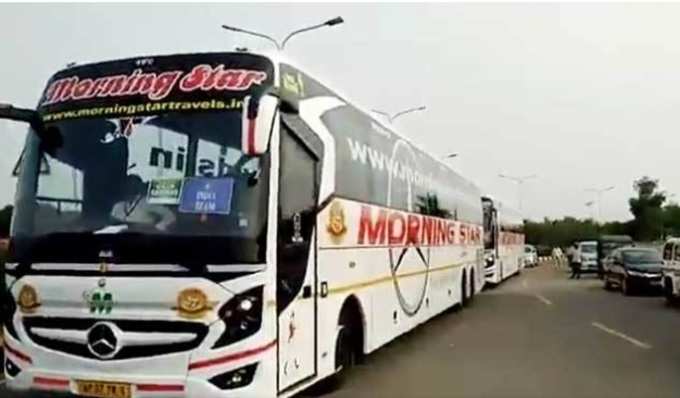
<point>57,334</point>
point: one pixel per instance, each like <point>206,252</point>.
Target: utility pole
<point>599,192</point>
<point>520,182</point>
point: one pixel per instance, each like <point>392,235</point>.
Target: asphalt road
<point>536,335</point>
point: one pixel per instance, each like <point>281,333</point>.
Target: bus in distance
<point>503,241</point>
<point>221,225</point>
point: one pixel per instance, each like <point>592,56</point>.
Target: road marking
<point>616,333</point>
<point>2,381</point>
<point>524,283</point>
<point>543,299</point>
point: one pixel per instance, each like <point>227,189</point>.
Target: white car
<point>671,270</point>
<point>530,256</point>
<point>588,250</point>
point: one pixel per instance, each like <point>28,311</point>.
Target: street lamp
<point>391,117</point>
<point>589,205</point>
<point>599,192</point>
<point>450,156</point>
<point>519,181</point>
<point>280,46</point>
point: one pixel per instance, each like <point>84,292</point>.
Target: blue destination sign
<point>204,195</point>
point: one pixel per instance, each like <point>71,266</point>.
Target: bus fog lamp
<point>245,305</point>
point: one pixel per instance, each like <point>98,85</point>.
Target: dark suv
<point>633,268</point>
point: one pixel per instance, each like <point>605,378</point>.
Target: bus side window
<point>677,252</point>
<point>668,252</point>
<point>297,216</point>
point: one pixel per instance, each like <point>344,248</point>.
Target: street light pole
<point>599,192</point>
<point>589,205</point>
<point>282,45</point>
<point>520,182</point>
<point>391,117</point>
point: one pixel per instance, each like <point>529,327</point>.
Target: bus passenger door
<point>296,262</point>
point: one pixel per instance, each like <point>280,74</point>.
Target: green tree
<point>647,209</point>
<point>671,219</point>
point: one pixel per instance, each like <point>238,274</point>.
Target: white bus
<point>221,225</point>
<point>503,241</point>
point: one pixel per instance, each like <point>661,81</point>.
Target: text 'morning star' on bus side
<point>225,225</point>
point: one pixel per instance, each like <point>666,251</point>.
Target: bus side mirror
<point>50,137</point>
<point>29,116</point>
<point>256,123</point>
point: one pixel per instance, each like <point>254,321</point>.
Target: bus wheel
<point>348,346</point>
<point>472,285</point>
<point>463,290</point>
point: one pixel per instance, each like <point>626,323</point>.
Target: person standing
<point>575,260</point>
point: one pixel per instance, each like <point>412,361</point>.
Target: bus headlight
<point>242,316</point>
<point>235,378</point>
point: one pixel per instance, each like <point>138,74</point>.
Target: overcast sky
<point>582,95</point>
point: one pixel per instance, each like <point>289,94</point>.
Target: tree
<point>5,220</point>
<point>647,209</point>
<point>671,219</point>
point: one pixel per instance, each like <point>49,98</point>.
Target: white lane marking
<point>543,299</point>
<point>524,283</point>
<point>2,381</point>
<point>616,333</point>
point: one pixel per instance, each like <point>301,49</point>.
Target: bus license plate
<point>100,389</point>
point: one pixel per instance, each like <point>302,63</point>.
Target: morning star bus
<point>221,225</point>
<point>503,241</point>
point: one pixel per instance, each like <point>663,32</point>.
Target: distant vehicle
<point>530,256</point>
<point>671,270</point>
<point>503,241</point>
<point>633,268</point>
<point>606,244</point>
<point>588,250</point>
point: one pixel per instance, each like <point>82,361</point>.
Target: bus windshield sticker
<point>164,191</point>
<point>202,195</point>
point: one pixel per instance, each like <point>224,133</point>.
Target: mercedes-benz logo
<point>102,340</point>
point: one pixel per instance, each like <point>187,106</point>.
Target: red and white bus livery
<point>221,225</point>
<point>503,241</point>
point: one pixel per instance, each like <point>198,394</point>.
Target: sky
<point>581,95</point>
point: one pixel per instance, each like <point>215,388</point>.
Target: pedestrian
<point>575,261</point>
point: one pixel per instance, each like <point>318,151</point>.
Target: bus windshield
<point>163,177</point>
<point>149,168</point>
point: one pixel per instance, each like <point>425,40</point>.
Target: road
<point>536,335</point>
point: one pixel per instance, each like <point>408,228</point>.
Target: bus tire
<point>348,347</point>
<point>472,285</point>
<point>463,290</point>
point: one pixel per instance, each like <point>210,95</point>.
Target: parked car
<point>530,256</point>
<point>588,250</point>
<point>606,244</point>
<point>671,270</point>
<point>632,269</point>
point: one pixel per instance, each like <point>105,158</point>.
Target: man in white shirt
<point>575,261</point>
